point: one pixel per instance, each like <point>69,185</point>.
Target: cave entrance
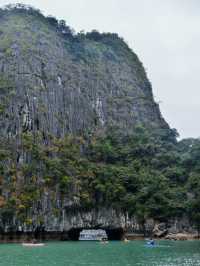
<point>73,234</point>
<point>115,233</point>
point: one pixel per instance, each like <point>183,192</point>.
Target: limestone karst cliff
<point>82,141</point>
<point>57,82</point>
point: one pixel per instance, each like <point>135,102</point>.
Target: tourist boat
<point>33,244</point>
<point>93,235</point>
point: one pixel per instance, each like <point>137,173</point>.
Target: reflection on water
<point>167,253</point>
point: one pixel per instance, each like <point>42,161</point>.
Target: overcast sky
<point>166,36</point>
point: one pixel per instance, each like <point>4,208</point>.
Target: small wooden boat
<point>33,244</point>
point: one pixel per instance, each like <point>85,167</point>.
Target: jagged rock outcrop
<point>160,230</point>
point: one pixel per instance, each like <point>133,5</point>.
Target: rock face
<point>55,83</point>
<point>58,83</point>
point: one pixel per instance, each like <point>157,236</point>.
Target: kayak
<point>33,245</point>
<point>151,246</point>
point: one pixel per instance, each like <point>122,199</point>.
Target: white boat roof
<point>93,232</point>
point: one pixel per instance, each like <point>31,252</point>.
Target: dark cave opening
<point>73,234</point>
<point>115,233</point>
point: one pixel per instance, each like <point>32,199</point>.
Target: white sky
<point>166,36</point>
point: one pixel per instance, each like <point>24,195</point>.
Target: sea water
<point>115,253</point>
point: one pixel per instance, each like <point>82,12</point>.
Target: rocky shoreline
<point>179,230</point>
<point>178,236</point>
<point>118,226</point>
<point>20,237</point>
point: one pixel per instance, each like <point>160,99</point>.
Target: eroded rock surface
<point>54,83</point>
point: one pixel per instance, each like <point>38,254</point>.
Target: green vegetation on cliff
<point>146,175</point>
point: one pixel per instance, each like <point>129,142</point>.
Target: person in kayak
<point>151,242</point>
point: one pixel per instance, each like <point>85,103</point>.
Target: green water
<point>167,253</point>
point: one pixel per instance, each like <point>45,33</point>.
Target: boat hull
<point>33,245</point>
